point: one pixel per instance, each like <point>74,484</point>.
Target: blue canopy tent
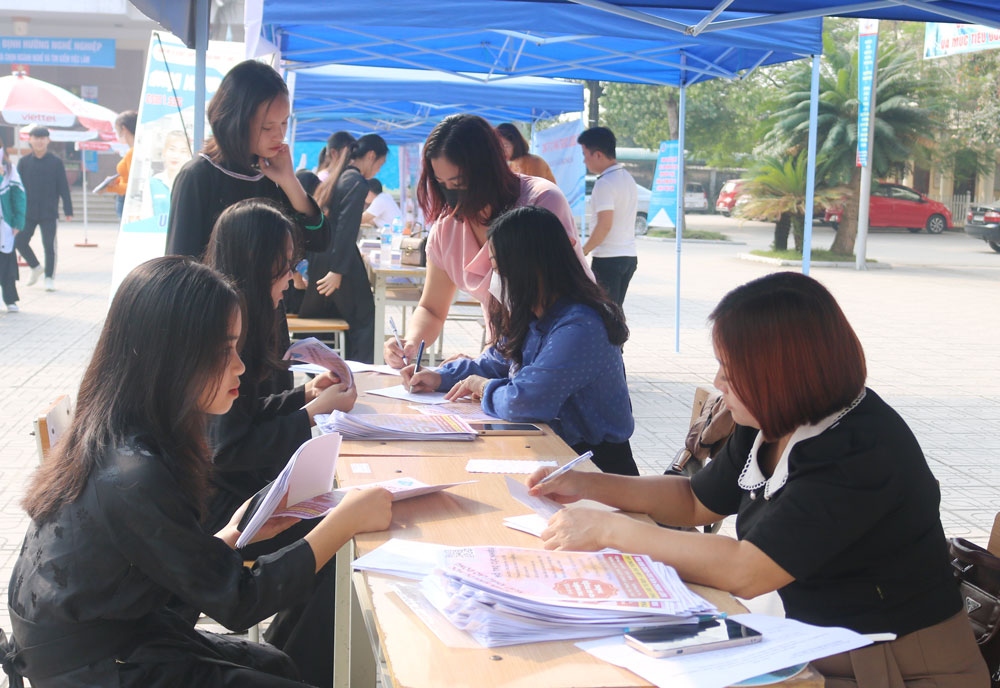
<point>403,105</point>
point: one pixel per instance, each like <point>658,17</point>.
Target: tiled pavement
<point>929,327</point>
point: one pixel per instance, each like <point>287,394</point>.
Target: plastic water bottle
<point>397,234</point>
<point>385,256</point>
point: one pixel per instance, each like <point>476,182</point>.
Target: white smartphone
<point>686,639</point>
<point>507,429</point>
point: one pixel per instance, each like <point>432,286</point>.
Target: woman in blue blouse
<point>556,356</point>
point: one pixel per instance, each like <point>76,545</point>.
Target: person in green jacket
<point>12,206</point>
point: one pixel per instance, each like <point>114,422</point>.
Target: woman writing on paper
<point>556,355</point>
<point>836,507</point>
<point>116,527</point>
<point>464,185</point>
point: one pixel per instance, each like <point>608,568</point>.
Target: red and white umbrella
<point>24,100</point>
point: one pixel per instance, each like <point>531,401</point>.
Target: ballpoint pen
<point>568,467</point>
<point>395,333</point>
<point>416,367</point>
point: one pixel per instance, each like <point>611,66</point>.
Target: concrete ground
<point>928,325</point>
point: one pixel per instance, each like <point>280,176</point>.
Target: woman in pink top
<point>465,183</point>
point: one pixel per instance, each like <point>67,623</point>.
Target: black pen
<point>416,366</point>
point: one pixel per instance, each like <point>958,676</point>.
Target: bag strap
<point>970,554</point>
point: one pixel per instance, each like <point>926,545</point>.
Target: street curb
<point>694,241</point>
<point>815,264</point>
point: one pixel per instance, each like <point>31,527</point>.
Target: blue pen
<point>416,367</point>
<point>395,333</point>
<point>568,467</point>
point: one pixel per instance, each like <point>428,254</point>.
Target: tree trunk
<point>847,233</point>
<point>594,102</point>
<point>673,116</point>
<point>781,228</point>
<point>798,224</point>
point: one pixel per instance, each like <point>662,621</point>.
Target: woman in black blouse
<point>338,279</point>
<point>836,507</point>
<point>116,512</point>
<point>247,157</point>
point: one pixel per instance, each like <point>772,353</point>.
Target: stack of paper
<point>505,596</point>
<point>323,358</point>
<point>388,426</point>
<point>401,488</point>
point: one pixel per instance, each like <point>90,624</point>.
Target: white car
<point>695,199</point>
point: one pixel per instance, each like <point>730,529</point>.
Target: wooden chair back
<point>51,424</point>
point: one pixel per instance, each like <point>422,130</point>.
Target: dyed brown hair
<point>790,355</point>
<point>471,144</point>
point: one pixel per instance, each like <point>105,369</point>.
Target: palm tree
<point>905,115</point>
<point>777,191</point>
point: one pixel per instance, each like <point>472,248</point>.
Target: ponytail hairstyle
<point>334,158</point>
<point>166,334</point>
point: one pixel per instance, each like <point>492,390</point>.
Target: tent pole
<point>681,113</point>
<point>201,49</point>
<point>807,230</point>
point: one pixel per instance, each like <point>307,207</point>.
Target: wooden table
<point>411,656</point>
<point>384,293</point>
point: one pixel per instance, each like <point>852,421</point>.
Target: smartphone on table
<point>507,429</point>
<point>686,639</point>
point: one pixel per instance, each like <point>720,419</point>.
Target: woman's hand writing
<point>424,381</point>
<point>565,488</point>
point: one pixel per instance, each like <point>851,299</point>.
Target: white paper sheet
<point>401,488</point>
<point>400,392</point>
<point>785,643</point>
<point>359,367</point>
<point>543,506</point>
<point>509,466</point>
<point>408,558</point>
<point>532,524</point>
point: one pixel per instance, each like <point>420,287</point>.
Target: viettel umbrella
<point>24,100</point>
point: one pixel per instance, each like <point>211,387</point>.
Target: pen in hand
<point>568,467</point>
<point>416,367</point>
<point>395,333</point>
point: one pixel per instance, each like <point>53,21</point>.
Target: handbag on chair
<point>978,573</point>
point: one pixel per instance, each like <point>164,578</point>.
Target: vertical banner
<point>558,146</point>
<point>867,59</point>
<point>410,162</point>
<point>663,201</point>
<point>163,143</point>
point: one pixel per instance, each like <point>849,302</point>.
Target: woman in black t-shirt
<point>836,507</point>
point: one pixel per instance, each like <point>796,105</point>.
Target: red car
<point>893,205</point>
<point>731,190</point>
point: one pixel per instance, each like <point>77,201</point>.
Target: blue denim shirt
<point>572,378</point>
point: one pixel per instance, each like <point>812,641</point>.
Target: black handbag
<point>978,574</point>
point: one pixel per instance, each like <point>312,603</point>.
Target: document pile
<point>313,356</point>
<point>389,426</point>
<point>506,595</point>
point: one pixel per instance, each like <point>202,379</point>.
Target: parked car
<point>894,205</point>
<point>983,222</point>
<point>731,191</point>
<point>694,199</point>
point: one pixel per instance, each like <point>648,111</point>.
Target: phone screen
<point>506,428</point>
<point>665,641</point>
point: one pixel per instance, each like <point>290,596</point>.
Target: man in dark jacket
<point>44,179</point>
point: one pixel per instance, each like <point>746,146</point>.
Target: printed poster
<point>558,146</point>
<point>663,201</point>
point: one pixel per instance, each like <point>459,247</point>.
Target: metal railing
<point>959,206</point>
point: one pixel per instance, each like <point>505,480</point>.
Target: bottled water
<point>397,234</point>
<point>385,256</point>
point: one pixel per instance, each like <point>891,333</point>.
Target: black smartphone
<point>686,639</point>
<point>507,429</point>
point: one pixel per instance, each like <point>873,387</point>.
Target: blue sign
<point>867,54</point>
<point>663,202</point>
<point>58,52</point>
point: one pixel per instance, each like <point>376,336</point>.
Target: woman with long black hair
<point>556,355</point>
<point>116,511</point>
<point>338,279</point>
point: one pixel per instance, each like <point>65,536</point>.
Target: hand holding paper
<point>312,350</point>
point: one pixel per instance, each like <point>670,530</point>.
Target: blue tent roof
<point>502,38</point>
<point>404,104</point>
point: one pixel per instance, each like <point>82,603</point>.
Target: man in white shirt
<point>612,214</point>
<point>382,208</point>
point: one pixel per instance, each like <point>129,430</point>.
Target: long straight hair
<point>471,144</point>
<point>165,337</point>
<point>231,110</point>
<point>538,266</point>
<point>249,245</point>
<point>366,144</point>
